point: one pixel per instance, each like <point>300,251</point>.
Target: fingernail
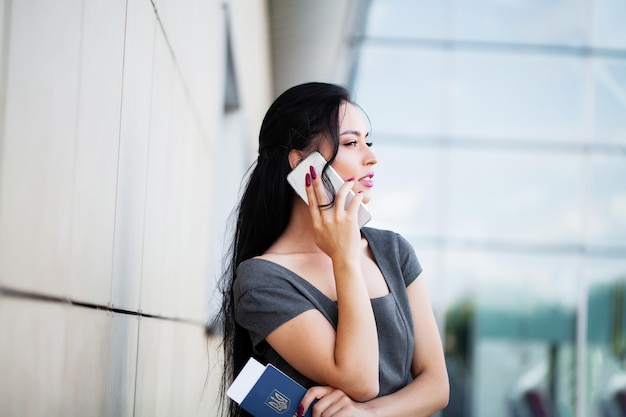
<point>300,411</point>
<point>307,180</point>
<point>350,179</point>
<point>360,192</point>
<point>313,173</point>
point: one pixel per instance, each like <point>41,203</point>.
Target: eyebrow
<point>353,132</point>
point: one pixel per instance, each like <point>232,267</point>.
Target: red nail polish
<point>307,180</point>
<point>300,411</point>
<point>313,173</point>
<point>360,192</point>
<point>350,179</point>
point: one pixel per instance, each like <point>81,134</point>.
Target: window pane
<point>401,89</point>
<point>521,322</point>
<point>610,96</point>
<point>517,97</point>
<point>561,22</point>
<point>408,19</point>
<point>608,23</point>
<point>519,197</point>
<point>607,217</point>
<point>476,95</point>
<point>405,195</point>
<point>606,334</point>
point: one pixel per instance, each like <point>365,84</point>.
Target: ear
<point>295,156</point>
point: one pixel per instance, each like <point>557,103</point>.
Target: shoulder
<point>386,239</point>
<point>393,252</point>
<point>256,273</point>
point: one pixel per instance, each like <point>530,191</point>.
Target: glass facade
<point>500,128</point>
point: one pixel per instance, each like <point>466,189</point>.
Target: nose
<point>369,157</point>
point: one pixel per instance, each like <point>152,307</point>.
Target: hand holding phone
<point>317,161</point>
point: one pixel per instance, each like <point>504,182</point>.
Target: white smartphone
<point>317,161</point>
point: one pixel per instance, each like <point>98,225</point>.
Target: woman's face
<point>354,157</point>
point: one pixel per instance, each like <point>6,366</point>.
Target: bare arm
<point>346,358</point>
<point>426,394</point>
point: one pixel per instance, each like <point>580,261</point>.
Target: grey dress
<point>267,295</point>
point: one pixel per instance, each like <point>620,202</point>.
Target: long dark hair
<point>300,118</point>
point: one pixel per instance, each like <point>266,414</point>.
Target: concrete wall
<point>113,136</point>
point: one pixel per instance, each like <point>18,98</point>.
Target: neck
<point>298,237</point>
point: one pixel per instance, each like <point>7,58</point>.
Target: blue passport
<point>265,391</point>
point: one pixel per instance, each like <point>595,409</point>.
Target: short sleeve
<point>409,264</point>
<point>265,299</point>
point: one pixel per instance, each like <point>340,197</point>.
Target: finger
<point>323,197</point>
<point>312,199</point>
<point>353,208</point>
<point>313,394</point>
<point>331,403</point>
<point>343,192</point>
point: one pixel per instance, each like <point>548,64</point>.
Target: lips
<point>367,180</point>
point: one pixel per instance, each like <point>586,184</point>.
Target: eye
<point>351,143</point>
<point>369,144</point>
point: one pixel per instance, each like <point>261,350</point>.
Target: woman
<point>338,308</point>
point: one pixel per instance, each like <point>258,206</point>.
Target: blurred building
<point>501,130</point>
<point>126,128</point>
